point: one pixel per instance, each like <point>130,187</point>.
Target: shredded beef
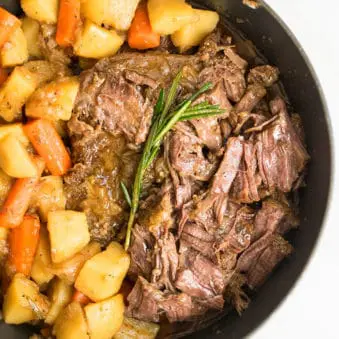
<point>215,205</point>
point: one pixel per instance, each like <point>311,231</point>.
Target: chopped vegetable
<point>105,318</point>
<point>49,196</point>
<point>68,270</point>
<point>81,298</point>
<point>118,14</point>
<point>16,130</point>
<point>166,117</point>
<point>46,71</point>
<point>31,29</point>
<point>141,35</point>
<point>15,159</point>
<point>42,10</point>
<point>68,22</point>
<point>23,302</point>
<point>48,144</point>
<point>71,323</point>
<point>192,34</point>
<point>134,328</point>
<point>97,42</point>
<point>6,183</point>
<point>41,271</point>
<point>23,243</point>
<point>166,17</point>
<point>15,91</point>
<point>54,100</point>
<point>8,24</point>
<point>102,275</point>
<point>19,197</point>
<point>60,296</point>
<point>68,232</point>
<point>15,51</point>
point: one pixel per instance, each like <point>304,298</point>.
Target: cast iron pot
<point>264,28</point>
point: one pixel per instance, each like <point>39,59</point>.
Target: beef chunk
<point>263,75</point>
<point>251,98</point>
<point>280,152</point>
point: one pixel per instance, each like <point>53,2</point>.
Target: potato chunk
<point>102,275</point>
<point>60,296</point>
<point>133,328</point>
<point>105,318</point>
<point>15,160</point>
<point>69,269</point>
<point>54,100</point>
<point>23,302</point>
<point>16,130</point>
<point>15,50</point>
<point>49,196</point>
<point>15,91</point>
<point>5,185</point>
<point>192,34</point>
<point>118,14</point>
<point>166,17</point>
<point>68,233</point>
<point>31,29</point>
<point>97,42</point>
<point>42,10</point>
<point>71,323</point>
<point>41,272</point>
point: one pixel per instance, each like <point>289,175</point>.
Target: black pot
<point>265,29</point>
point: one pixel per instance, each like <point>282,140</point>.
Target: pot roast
<point>216,203</point>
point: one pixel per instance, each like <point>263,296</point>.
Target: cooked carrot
<point>23,242</point>
<point>3,75</point>
<point>81,298</point>
<point>48,144</point>
<point>141,34</point>
<point>68,22</point>
<point>8,24</point>
<point>17,202</point>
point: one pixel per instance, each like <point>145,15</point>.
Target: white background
<point>312,308</point>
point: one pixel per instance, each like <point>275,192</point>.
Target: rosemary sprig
<point>165,116</point>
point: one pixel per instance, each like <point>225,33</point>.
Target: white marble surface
<point>312,308</point>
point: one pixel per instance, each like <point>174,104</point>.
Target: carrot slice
<point>3,75</point>
<point>141,34</point>
<point>23,242</point>
<point>8,24</point>
<point>17,202</point>
<point>48,144</point>
<point>68,22</point>
<point>81,298</point>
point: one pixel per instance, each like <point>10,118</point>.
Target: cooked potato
<point>192,34</point>
<point>54,100</point>
<point>41,272</point>
<point>105,318</point>
<point>31,29</point>
<point>69,269</point>
<point>97,42</point>
<point>16,130</point>
<point>71,323</point>
<point>166,17</point>
<point>46,71</point>
<point>15,160</point>
<point>15,91</point>
<point>68,233</point>
<point>15,51</point>
<point>5,185</point>
<point>102,275</point>
<point>49,196</point>
<point>42,10</point>
<point>118,14</point>
<point>132,328</point>
<point>60,295</point>
<point>3,233</point>
<point>23,302</point>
